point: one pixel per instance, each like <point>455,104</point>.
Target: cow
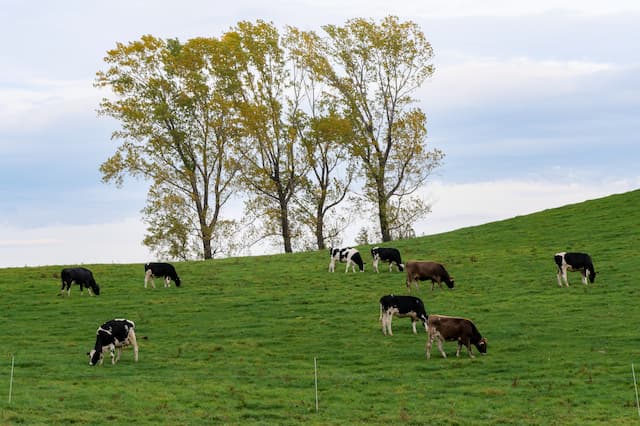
<point>113,335</point>
<point>462,330</point>
<point>348,255</point>
<point>158,269</point>
<point>401,306</point>
<point>422,271</point>
<point>574,262</point>
<point>387,254</point>
<point>81,276</point>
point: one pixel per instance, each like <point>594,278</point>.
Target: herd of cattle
<point>440,327</point>
<point>116,334</point>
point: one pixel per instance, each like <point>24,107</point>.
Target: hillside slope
<point>237,342</point>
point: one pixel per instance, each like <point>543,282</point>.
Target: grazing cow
<point>348,255</point>
<point>574,262</point>
<point>112,335</point>
<point>401,306</point>
<point>387,254</point>
<point>80,276</point>
<point>461,330</point>
<point>165,270</point>
<point>422,271</point>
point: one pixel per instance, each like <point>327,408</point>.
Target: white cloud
<point>118,242</point>
<point>36,104</point>
<point>470,81</point>
<point>458,205</point>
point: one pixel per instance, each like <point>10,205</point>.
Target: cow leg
<point>470,350</point>
<point>413,325</point>
<point>332,265</point>
<point>559,276</point>
<point>584,277</point>
<point>429,343</point>
<point>167,282</point>
<point>133,342</point>
<point>564,276</point>
<point>389,320</point>
<point>440,341</point>
<point>147,277</point>
<point>375,265</point>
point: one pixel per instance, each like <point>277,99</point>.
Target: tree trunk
<point>286,233</point>
<point>206,247</point>
<point>383,215</point>
<point>284,225</point>
<point>319,230</point>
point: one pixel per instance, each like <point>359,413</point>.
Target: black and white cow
<point>113,335</point>
<point>348,255</point>
<point>401,306</point>
<point>566,261</point>
<point>81,276</point>
<point>387,254</point>
<point>159,269</point>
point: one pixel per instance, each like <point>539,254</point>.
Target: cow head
<point>94,357</point>
<point>450,282</point>
<point>96,289</point>
<point>482,346</point>
<point>592,275</point>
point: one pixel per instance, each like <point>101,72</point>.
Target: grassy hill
<point>236,343</point>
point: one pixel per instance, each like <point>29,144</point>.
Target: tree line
<point>290,119</point>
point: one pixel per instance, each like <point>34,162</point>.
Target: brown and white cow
<point>422,271</point>
<point>462,330</point>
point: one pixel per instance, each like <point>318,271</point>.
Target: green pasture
<point>236,343</point>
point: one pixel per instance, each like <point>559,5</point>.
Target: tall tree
<point>270,155</point>
<point>324,135</point>
<point>172,102</point>
<point>376,68</point>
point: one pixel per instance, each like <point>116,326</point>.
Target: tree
<point>172,102</point>
<point>272,163</point>
<point>324,135</point>
<point>375,69</point>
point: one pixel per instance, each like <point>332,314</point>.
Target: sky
<point>536,105</point>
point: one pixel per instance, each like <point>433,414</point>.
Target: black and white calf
<point>81,276</point>
<point>112,335</point>
<point>566,261</point>
<point>159,269</point>
<point>401,306</point>
<point>387,254</point>
<point>348,255</point>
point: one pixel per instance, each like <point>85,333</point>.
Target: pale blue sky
<point>536,104</point>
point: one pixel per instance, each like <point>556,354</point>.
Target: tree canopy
<point>290,119</point>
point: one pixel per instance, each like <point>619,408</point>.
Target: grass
<point>236,343</point>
